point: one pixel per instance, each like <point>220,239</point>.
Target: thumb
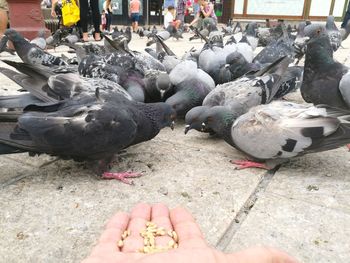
<point>261,255</point>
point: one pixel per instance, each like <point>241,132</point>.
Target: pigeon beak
<point>227,65</point>
<point>203,127</point>
<point>162,92</point>
<point>172,125</point>
<point>187,128</point>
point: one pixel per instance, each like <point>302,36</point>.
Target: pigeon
<point>48,85</point>
<point>291,81</point>
<point>249,91</point>
<point>278,131</point>
<point>244,47</point>
<point>163,35</point>
<point>212,60</point>
<point>86,129</point>
<point>40,40</point>
<point>239,66</point>
<point>250,33</point>
<point>276,49</point>
<point>325,80</point>
<point>3,45</point>
<point>73,37</point>
<point>333,33</point>
<point>194,119</point>
<point>30,53</point>
<point>345,31</point>
<point>140,32</point>
<point>300,42</point>
<point>55,39</point>
<point>191,85</point>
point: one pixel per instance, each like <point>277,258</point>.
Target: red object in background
<point>26,17</point>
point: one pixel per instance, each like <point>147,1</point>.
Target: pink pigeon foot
<point>243,164</point>
<point>121,176</point>
<point>348,146</point>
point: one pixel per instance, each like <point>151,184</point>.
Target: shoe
<point>97,39</point>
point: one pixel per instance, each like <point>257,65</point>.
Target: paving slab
<point>304,210</point>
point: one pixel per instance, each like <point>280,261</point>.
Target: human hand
<point>53,13</point>
<point>191,245</point>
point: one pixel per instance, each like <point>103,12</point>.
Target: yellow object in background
<point>70,12</point>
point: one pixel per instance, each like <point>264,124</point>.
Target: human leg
<point>84,8</point>
<point>137,18</point>
<point>96,18</point>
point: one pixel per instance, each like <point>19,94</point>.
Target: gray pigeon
<point>40,40</point>
<point>278,131</point>
<point>4,47</point>
<point>276,49</point>
<point>50,86</point>
<point>163,35</point>
<point>85,129</point>
<point>191,85</point>
<point>30,53</point>
<point>333,33</point>
<point>325,80</point>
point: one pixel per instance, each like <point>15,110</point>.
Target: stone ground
<point>55,211</point>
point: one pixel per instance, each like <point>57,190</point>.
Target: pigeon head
<point>163,83</point>
<point>315,30</point>
<point>13,35</point>
<point>220,120</point>
<point>165,115</point>
<point>42,33</point>
<point>231,40</point>
<point>193,118</point>
<point>236,63</point>
<point>330,25</point>
<point>235,58</point>
<point>301,28</point>
<point>251,29</point>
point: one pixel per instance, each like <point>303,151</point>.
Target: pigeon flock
<point>109,97</point>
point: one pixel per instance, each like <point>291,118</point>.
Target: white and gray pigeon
<point>30,53</point>
<point>191,85</point>
<point>278,131</point>
<point>246,92</point>
<point>325,80</point>
<point>333,33</point>
<point>40,40</point>
<point>163,35</point>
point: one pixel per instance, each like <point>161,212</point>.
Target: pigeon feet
<point>243,164</point>
<point>348,146</point>
<point>121,176</point>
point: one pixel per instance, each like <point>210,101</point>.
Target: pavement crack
<point>242,214</point>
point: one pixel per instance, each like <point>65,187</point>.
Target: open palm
<point>192,246</point>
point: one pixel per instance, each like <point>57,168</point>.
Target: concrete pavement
<point>55,211</point>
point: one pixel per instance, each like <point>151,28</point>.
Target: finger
<point>138,218</point>
<point>115,228</point>
<point>189,234</point>
<point>161,217</point>
<point>119,220</point>
<point>261,255</point>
